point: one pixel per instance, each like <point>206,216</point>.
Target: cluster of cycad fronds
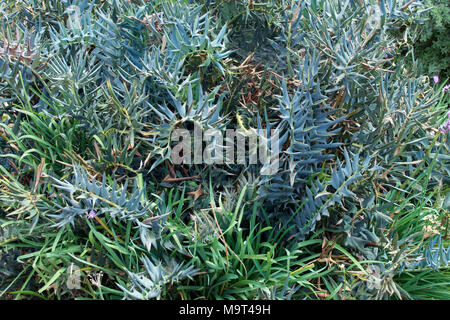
<point>91,91</point>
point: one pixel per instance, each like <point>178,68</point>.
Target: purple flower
<point>91,214</point>
<point>446,126</point>
<point>446,88</point>
<point>435,79</point>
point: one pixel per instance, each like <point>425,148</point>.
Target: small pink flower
<point>446,126</point>
<point>435,79</point>
<point>91,214</point>
<point>446,88</point>
<point>445,129</point>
